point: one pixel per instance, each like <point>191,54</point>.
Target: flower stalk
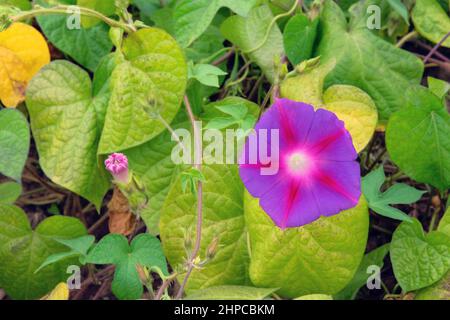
<point>198,166</point>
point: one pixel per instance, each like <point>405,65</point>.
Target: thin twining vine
<point>128,26</point>
<point>272,23</point>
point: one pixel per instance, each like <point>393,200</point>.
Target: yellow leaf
<point>61,292</point>
<point>350,104</point>
<point>356,109</point>
<point>23,52</point>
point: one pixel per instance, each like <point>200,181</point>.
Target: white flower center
<point>298,162</point>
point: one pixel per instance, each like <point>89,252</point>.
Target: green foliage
<point>14,143</point>
<point>299,36</point>
<point>419,260</point>
<point>192,18</point>
<point>147,8</point>
<point>66,125</point>
<point>21,4</point>
<point>205,74</point>
<point>431,21</point>
<point>79,247</point>
<point>148,84</point>
<point>438,291</point>
<point>85,46</point>
<point>418,139</point>
<point>9,192</point>
<point>252,35</point>
<point>144,251</point>
<point>190,179</point>
<point>105,7</point>
<point>380,202</point>
<point>152,163</point>
<point>231,293</point>
<point>366,61</point>
<point>320,257</point>
<point>441,289</point>
<point>206,46</point>
<point>238,114</point>
<point>310,297</point>
<point>444,224</point>
<point>223,217</point>
<point>400,8</point>
<point>439,87</point>
<point>375,257</point>
<point>23,250</point>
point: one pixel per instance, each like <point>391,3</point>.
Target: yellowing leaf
<point>23,52</point>
<point>61,292</point>
<point>356,109</point>
<point>350,104</point>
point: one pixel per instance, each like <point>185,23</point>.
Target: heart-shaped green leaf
<point>366,61</point>
<point>23,250</point>
<point>151,81</point>
<point>321,257</point>
<point>144,251</point>
<point>249,34</point>
<point>67,120</point>
<point>14,143</point>
<point>418,139</point>
<point>419,259</point>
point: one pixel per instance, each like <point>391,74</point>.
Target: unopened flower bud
<point>212,248</point>
<point>117,165</point>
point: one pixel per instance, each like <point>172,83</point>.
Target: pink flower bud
<point>117,165</point>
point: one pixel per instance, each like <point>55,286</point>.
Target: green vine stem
<point>63,9</point>
<point>272,23</point>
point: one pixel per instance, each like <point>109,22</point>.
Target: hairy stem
<point>198,166</point>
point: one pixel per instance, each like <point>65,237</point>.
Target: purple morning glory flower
<point>117,165</point>
<point>301,164</point>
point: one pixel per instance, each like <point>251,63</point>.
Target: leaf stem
<point>198,166</point>
<point>63,9</point>
<point>408,37</point>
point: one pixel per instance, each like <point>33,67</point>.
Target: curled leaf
<point>121,219</point>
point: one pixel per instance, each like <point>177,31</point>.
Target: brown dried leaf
<point>121,219</point>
